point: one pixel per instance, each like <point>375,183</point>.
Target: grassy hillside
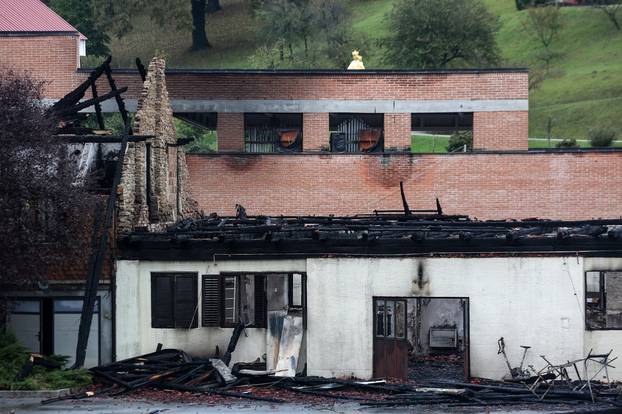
<point>584,90</point>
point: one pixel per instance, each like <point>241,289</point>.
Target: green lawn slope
<point>584,89</point>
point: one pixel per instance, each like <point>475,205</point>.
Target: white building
<point>556,287</point>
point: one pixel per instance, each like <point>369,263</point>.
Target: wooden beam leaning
<point>102,139</point>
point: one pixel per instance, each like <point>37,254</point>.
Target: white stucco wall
<point>135,335</point>
<point>528,301</point>
<point>535,301</point>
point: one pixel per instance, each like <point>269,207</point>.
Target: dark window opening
<point>442,122</point>
<point>174,300</point>
<point>200,127</point>
<point>272,132</point>
<point>233,298</point>
<point>603,300</point>
<point>356,132</point>
<point>432,132</point>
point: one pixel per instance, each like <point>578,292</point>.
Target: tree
<point>213,6</point>
<point>303,34</point>
<point>437,34</point>
<point>118,14</point>
<point>611,8</point>
<point>545,24</point>
<point>81,14</point>
<point>44,209</point>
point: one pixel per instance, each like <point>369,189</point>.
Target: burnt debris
<point>403,232</point>
<point>172,369</point>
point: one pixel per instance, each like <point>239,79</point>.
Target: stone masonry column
<point>230,131</point>
<point>315,131</point>
<point>397,132</point>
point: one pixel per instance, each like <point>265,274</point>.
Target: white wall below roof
<point>528,301</point>
<point>536,301</point>
<point>135,335</point>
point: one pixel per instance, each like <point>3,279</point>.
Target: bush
<point>601,137</point>
<point>13,357</point>
<point>567,143</point>
<point>458,140</point>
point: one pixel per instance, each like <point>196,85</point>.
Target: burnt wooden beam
<point>96,263</point>
<point>141,69</point>
<point>120,102</point>
<point>77,94</point>
<point>98,107</point>
<point>89,102</point>
<point>181,142</point>
<point>103,139</point>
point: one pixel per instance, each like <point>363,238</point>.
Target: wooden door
<point>390,344</point>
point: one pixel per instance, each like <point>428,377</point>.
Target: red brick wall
<point>487,186</point>
<point>53,59</point>
<point>397,133</point>
<point>230,131</point>
<point>315,131</point>
<point>349,85</point>
<point>501,130</point>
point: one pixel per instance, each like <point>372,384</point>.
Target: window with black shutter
<point>174,300</point>
<point>232,298</point>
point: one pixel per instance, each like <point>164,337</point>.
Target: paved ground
<point>126,406</point>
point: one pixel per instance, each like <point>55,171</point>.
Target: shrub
<point>567,143</point>
<point>458,140</point>
<point>13,357</point>
<point>601,137</point>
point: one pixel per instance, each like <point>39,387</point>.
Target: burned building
<point>375,292</point>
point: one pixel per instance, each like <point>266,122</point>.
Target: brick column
<point>501,130</point>
<point>315,131</point>
<point>397,135</point>
<point>230,131</point>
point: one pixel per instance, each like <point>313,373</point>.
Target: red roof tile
<point>31,16</point>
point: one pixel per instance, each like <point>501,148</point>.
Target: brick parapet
<point>487,186</point>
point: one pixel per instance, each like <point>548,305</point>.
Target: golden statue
<point>357,61</point>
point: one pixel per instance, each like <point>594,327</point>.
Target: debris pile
<point>174,370</point>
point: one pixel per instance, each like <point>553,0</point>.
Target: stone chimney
<point>154,188</point>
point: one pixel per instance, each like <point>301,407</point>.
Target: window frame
<point>264,301</point>
<point>175,323</point>
<point>251,145</point>
<point>603,299</point>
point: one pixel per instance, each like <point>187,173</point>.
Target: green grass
<point>583,90</point>
<point>429,143</point>
<point>438,144</point>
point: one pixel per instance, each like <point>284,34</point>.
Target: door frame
<point>466,320</point>
<point>48,318</point>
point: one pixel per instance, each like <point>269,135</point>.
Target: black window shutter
<point>211,303</point>
<point>186,301</point>
<point>261,302</point>
<point>162,301</point>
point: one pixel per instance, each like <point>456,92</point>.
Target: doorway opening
<point>421,338</point>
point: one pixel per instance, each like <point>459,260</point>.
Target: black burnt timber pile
<point>172,369</point>
<point>416,227</point>
<point>169,369</point>
<point>493,393</point>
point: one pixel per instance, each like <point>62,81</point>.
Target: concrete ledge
<point>388,106</point>
<point>43,394</point>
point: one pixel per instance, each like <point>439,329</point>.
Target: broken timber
<point>103,224</point>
